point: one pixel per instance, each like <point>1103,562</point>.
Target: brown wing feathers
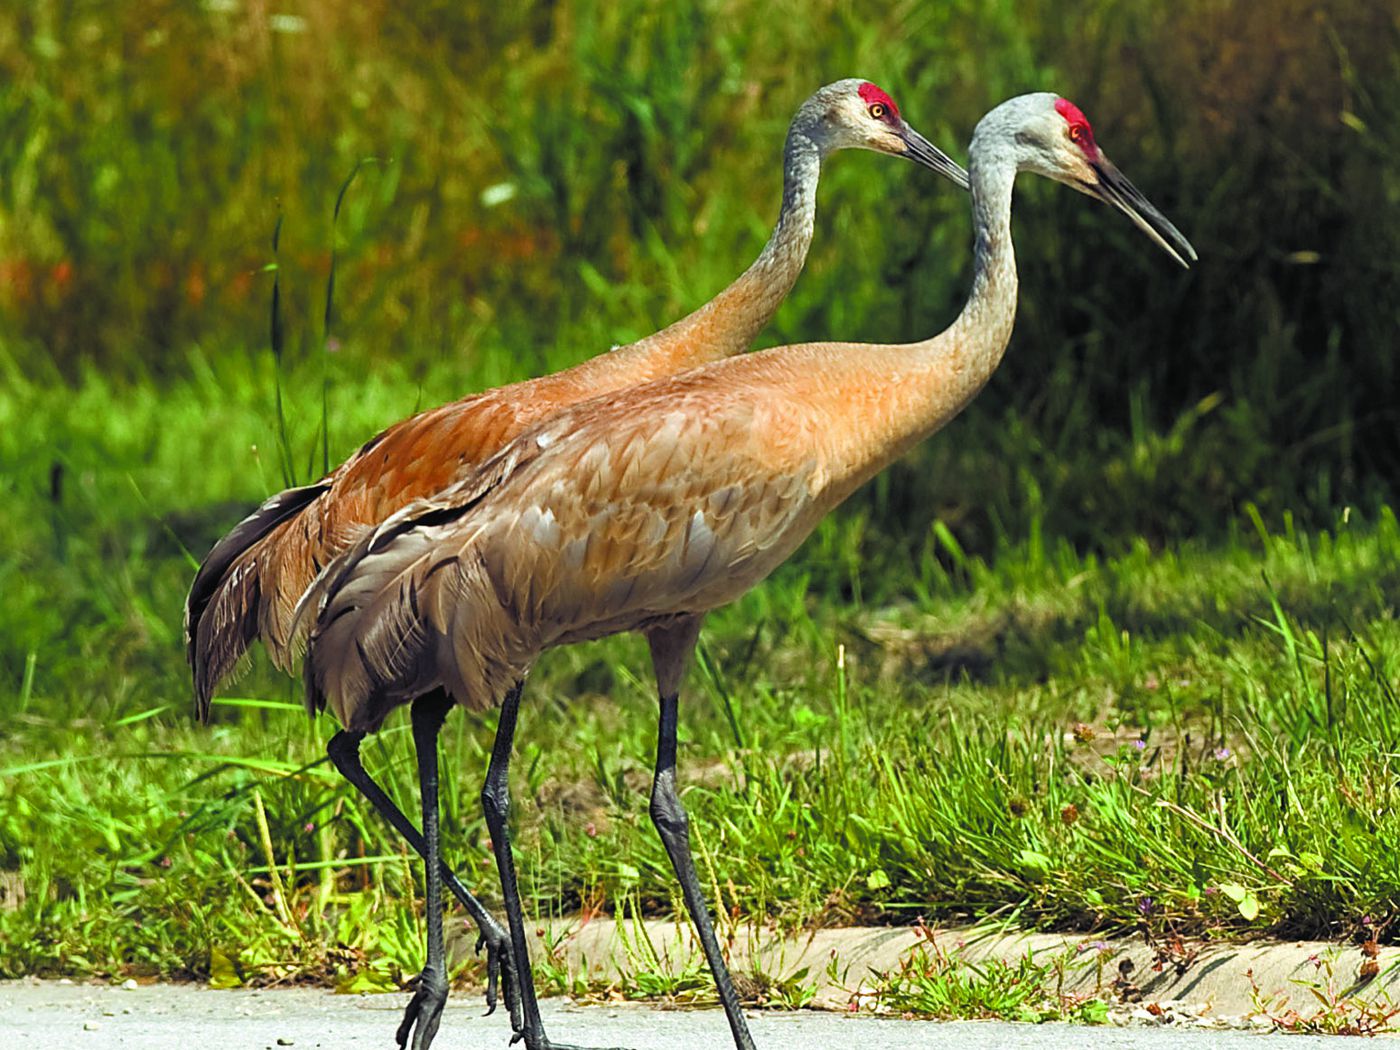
<point>386,654</point>
<point>250,582</point>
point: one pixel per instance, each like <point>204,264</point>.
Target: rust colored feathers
<point>617,514</point>
<point>250,586</point>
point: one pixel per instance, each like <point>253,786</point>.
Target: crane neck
<point>755,295</point>
<point>729,322</point>
<point>898,395</point>
<point>975,343</point>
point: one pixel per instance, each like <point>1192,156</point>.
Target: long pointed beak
<point>1113,186</point>
<point>921,151</point>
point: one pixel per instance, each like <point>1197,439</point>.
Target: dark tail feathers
<point>214,644</point>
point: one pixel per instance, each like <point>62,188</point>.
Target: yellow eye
<point>877,110</point>
<point>1076,133</point>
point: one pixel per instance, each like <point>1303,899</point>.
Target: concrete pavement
<point>54,1016</point>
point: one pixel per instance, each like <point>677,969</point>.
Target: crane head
<point>856,114</point>
<point>1052,137</point>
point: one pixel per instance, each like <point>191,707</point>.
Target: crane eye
<point>877,110</point>
<point>1076,133</point>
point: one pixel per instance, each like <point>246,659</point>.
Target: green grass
<point>1200,740</point>
<point>1116,651</point>
<point>933,981</point>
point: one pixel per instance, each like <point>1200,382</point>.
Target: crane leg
<point>670,650</point>
<point>673,824</point>
<point>344,752</point>
<point>495,803</point>
<point>424,1010</point>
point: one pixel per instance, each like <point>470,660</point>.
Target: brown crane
<point>249,583</point>
<point>645,509</point>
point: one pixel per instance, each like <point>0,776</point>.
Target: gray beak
<point>922,151</point>
<point>1113,186</point>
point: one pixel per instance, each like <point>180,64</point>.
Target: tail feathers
<point>380,609</point>
<point>225,630</point>
<point>221,612</point>
<point>370,643</point>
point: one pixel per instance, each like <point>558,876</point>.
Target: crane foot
<point>424,1011</point>
<point>500,972</point>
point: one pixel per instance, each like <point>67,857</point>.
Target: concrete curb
<point>1226,983</point>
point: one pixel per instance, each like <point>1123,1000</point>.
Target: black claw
<point>510,991</point>
<point>493,963</point>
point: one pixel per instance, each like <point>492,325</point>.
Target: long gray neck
<point>946,372</point>
<point>983,329</point>
<point>728,323</point>
<point>924,385</point>
<point>778,266</point>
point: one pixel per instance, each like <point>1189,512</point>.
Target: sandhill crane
<point>249,583</point>
<point>645,509</point>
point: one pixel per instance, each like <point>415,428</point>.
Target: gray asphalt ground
<point>49,1016</point>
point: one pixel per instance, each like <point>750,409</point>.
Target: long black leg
<point>495,803</point>
<point>671,649</point>
<point>344,752</point>
<point>425,1009</point>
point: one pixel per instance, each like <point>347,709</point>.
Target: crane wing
<point>250,582</point>
<point>645,522</point>
<point>332,604</point>
<point>594,522</point>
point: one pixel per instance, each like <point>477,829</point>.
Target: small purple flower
<point>308,827</point>
<point>1140,745</point>
<point>1145,905</point>
<point>1222,753</point>
<point>1211,891</point>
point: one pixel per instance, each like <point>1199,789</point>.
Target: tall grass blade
<point>327,346</point>
<point>276,337</point>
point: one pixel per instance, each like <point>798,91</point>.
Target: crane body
<point>248,587</point>
<point>645,509</point>
<point>249,584</point>
<point>673,499</point>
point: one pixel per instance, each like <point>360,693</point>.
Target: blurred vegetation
<point>554,178</point>
<point>1164,519</point>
